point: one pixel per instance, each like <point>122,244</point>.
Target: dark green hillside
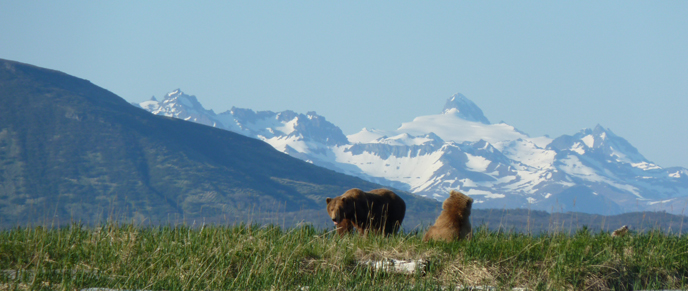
<point>70,150</point>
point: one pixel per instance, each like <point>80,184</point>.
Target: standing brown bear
<point>379,211</point>
<point>453,222</point>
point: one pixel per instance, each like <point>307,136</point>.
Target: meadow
<point>270,257</point>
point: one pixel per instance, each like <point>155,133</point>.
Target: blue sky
<point>547,67</point>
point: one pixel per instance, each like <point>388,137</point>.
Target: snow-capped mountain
<point>593,171</point>
<point>464,108</point>
<point>266,125</point>
<point>306,136</point>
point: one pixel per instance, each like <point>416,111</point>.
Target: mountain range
<point>71,151</point>
<point>592,171</point>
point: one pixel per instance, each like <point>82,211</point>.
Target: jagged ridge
<point>591,171</point>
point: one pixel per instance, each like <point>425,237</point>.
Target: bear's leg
<point>430,234</point>
<point>345,226</point>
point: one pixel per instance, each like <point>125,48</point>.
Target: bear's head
<point>458,203</point>
<point>340,208</point>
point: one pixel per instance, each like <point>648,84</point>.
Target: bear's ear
<point>328,200</point>
<point>469,202</point>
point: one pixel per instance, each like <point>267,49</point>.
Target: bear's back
<point>384,194</point>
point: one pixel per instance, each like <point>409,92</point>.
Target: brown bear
<point>453,222</point>
<point>379,211</point>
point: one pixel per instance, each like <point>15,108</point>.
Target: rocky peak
<point>464,108</point>
<point>174,93</point>
<point>179,98</point>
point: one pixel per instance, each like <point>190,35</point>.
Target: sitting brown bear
<point>379,210</point>
<point>453,222</point>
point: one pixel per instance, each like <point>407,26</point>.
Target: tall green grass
<point>252,257</point>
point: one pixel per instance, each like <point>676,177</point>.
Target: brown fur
<point>344,226</point>
<point>453,223</point>
<point>379,210</point>
<point>622,231</point>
